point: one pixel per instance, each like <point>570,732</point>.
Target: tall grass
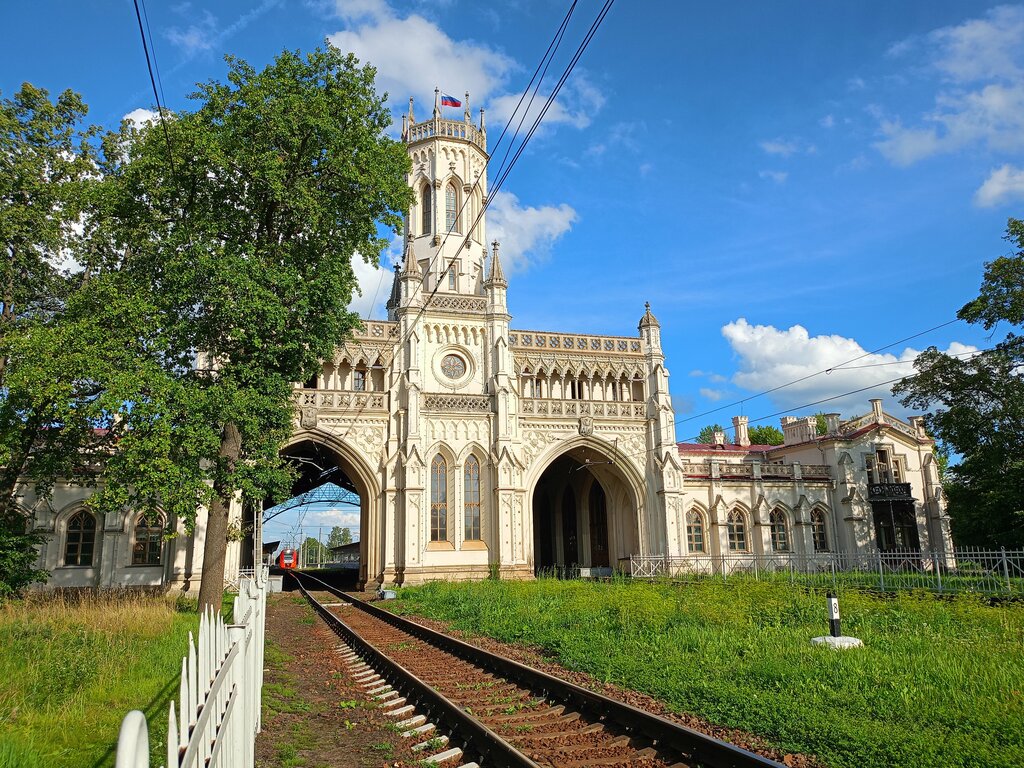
<point>73,664</point>
<point>939,683</point>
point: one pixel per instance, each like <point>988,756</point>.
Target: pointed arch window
<point>80,540</point>
<point>451,208</point>
<point>736,526</point>
<point>819,531</point>
<point>694,531</point>
<point>149,539</point>
<point>471,475</point>
<point>427,214</point>
<point>779,531</point>
<point>439,499</point>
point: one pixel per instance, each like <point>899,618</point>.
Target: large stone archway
<point>585,510</point>
<point>324,452</point>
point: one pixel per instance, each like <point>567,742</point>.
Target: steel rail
<point>694,746</point>
<point>478,740</point>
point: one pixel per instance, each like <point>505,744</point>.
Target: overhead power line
<point>152,79</point>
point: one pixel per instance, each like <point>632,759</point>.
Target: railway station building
<point>477,447</point>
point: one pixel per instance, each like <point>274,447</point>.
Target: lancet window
<point>80,540</point>
<point>149,535</point>
<point>694,531</point>
<point>451,208</point>
<point>779,531</point>
<point>819,531</point>
<point>736,526</point>
<point>427,215</point>
<point>471,475</point>
<point>439,499</point>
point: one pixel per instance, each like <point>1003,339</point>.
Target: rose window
<point>453,366</point>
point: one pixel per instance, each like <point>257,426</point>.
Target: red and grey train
<point>288,559</point>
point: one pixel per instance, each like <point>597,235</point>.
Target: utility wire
<point>156,93</point>
<point>817,373</point>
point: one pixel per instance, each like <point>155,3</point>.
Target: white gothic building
<point>477,448</point>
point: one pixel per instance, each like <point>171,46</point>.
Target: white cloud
<point>981,102</point>
<point>770,357</point>
<point>1005,183</point>
<point>828,121</point>
<point>526,233</point>
<point>375,287</point>
<point>714,395</point>
<point>196,37</point>
<point>140,117</point>
<point>577,103</point>
<point>779,177</point>
<point>856,84</point>
<point>783,147</point>
<point>413,55</point>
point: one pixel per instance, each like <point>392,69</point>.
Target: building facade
<point>477,448</point>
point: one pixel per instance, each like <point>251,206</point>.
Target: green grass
<point>939,683</point>
<point>72,668</point>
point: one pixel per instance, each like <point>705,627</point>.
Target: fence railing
<point>997,571</point>
<point>219,695</point>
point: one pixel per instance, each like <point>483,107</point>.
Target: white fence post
<point>219,693</point>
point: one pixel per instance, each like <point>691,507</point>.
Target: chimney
<point>876,408</point>
<point>719,437</point>
<point>739,427</point>
<point>832,423</point>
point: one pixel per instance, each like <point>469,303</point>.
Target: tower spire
<point>497,273</point>
<point>437,103</point>
<point>469,118</point>
<point>412,118</point>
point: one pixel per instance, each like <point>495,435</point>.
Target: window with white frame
<point>439,499</point>
<point>695,531</point>
<point>736,527</point>
<point>779,531</point>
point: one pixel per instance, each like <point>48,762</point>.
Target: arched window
<point>451,208</point>
<point>81,539</point>
<point>694,531</point>
<point>737,529</point>
<point>427,218</point>
<point>149,539</point>
<point>439,499</point>
<point>471,475</point>
<point>819,531</point>
<point>779,532</point>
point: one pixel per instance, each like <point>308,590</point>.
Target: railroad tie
<point>408,709</point>
<point>437,741</point>
<point>443,757</point>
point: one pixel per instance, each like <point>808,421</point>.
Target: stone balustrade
<point>745,471</point>
<point>576,408</point>
<point>340,400</point>
<point>574,342</point>
<point>447,129</point>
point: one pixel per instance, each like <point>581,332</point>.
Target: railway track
<point>500,712</point>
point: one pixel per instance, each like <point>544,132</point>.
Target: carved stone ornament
<point>307,419</point>
<point>586,425</point>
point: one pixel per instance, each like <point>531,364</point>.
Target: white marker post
<point>836,639</point>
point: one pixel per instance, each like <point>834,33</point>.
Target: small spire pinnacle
<point>648,319</point>
<point>412,118</point>
<point>469,117</point>
<point>497,273</point>
<point>412,266</point>
<point>482,127</point>
<point>437,103</point>
<point>396,293</point>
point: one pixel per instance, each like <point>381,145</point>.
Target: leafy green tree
<point>241,240</point>
<point>820,424</point>
<point>766,434</point>
<point>339,537</point>
<point>47,169</point>
<point>977,409</point>
<point>707,434</point>
<point>314,552</point>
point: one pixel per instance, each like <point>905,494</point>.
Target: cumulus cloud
<point>374,286</point>
<point>714,395</point>
<point>424,58</point>
<point>1005,183</point>
<point>980,64</point>
<point>526,232</point>
<point>140,117</point>
<point>770,356</point>
<point>577,103</point>
<point>196,37</point>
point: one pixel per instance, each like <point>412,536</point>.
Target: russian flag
<point>449,101</point>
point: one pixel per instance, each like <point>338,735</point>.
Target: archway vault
<point>586,504</point>
<point>331,450</point>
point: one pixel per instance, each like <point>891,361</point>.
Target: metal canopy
<point>328,493</point>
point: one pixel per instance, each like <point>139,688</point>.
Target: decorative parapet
<point>340,399</point>
<point>447,129</point>
<point>376,330</point>
<point>745,471</point>
<point>476,305</point>
<point>450,403</point>
<point>578,343</point>
<point>575,408</point>
<point>870,419</point>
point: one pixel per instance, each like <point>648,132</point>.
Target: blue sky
<point>789,184</point>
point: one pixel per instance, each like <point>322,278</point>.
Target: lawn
<point>940,681</point>
<point>70,669</point>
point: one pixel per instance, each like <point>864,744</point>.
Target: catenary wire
<point>156,93</point>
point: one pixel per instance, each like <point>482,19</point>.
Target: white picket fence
<point>218,714</point>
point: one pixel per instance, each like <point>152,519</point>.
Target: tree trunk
<point>211,586</point>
